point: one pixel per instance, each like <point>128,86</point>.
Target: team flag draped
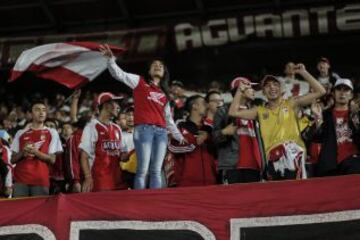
<point>72,64</point>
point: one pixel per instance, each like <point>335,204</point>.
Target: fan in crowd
<point>302,127</point>
<point>284,147</point>
<point>152,117</point>
<point>34,148</point>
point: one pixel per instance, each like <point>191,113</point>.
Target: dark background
<point>196,67</point>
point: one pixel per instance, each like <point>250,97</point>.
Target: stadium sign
<point>142,44</point>
<point>292,23</point>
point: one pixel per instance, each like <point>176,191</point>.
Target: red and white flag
<point>72,64</point>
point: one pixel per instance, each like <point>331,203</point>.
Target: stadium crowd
<point>294,126</point>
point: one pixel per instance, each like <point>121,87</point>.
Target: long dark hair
<point>164,82</point>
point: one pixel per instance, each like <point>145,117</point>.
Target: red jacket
<point>194,164</point>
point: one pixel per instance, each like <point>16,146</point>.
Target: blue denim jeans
<point>150,146</point>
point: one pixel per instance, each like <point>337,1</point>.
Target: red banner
<point>326,208</point>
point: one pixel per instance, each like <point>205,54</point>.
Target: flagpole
<point>69,97</point>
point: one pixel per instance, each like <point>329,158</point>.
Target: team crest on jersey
<point>156,97</point>
<point>38,145</point>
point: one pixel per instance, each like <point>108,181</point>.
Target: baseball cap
<point>344,81</point>
<point>269,78</point>
<point>105,97</point>
<point>236,82</point>
<point>324,59</point>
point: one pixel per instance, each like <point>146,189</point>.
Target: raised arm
<point>131,80</point>
<point>74,106</point>
<point>235,111</point>
<point>318,89</point>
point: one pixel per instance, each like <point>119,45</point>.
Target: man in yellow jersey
<point>284,148</point>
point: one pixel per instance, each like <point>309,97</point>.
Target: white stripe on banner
<point>42,54</point>
<point>236,224</point>
<point>40,230</point>
<point>202,230</point>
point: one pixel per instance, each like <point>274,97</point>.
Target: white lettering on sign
<point>287,24</point>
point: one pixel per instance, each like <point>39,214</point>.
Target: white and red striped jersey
<point>103,144</point>
<point>31,170</point>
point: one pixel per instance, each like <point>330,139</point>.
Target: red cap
<point>236,82</point>
<point>105,97</point>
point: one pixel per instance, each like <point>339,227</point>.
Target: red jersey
<point>150,102</point>
<point>103,144</point>
<point>345,145</point>
<point>31,170</point>
<point>249,151</point>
